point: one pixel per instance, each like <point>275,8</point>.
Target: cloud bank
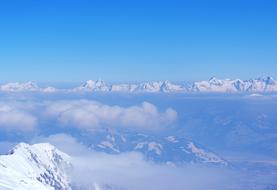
<point>131,171</point>
<point>82,114</point>
<point>92,115</point>
<point>14,117</point>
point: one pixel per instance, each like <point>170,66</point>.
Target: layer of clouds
<point>82,114</point>
<point>92,115</point>
<point>131,171</point>
<point>64,142</point>
<point>14,117</point>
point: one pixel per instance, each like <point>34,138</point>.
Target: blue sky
<point>136,40</point>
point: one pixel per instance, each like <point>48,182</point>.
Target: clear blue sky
<point>117,40</point>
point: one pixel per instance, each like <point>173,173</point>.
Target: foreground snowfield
<point>39,166</point>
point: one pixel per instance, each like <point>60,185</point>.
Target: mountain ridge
<point>38,166</point>
<point>213,85</point>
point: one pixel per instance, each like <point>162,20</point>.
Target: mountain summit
<point>38,166</point>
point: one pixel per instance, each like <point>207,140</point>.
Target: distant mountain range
<point>214,85</point>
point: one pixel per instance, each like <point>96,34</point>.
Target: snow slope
<point>33,167</point>
<point>39,167</point>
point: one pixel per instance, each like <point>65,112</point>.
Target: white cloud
<point>92,115</point>
<point>89,115</point>
<point>64,142</point>
<point>14,117</point>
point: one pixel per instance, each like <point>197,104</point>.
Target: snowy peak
<point>159,86</point>
<point>170,87</point>
<point>38,166</point>
<point>213,85</point>
<point>149,87</point>
<point>97,85</point>
<point>266,84</point>
<point>215,81</point>
<point>45,151</point>
<point>94,84</point>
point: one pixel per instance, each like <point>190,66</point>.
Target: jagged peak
<point>94,83</point>
<point>215,81</point>
<point>42,166</point>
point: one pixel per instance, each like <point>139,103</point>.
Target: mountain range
<point>213,85</point>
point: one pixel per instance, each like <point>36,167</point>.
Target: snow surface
<point>39,167</point>
<point>33,167</point>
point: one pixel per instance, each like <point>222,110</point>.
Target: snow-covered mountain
<point>267,84</point>
<point>41,167</point>
<point>214,85</point>
<point>32,167</point>
<point>101,86</point>
<point>160,149</point>
<point>161,86</point>
<point>91,85</point>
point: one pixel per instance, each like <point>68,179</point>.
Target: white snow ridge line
<point>262,85</point>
